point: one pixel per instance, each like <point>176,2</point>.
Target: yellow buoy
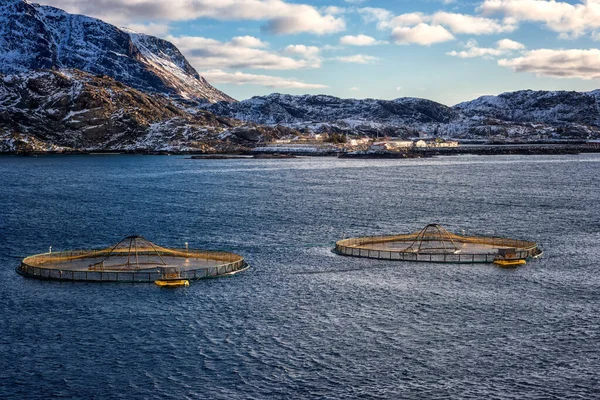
<point>171,277</point>
<point>510,263</point>
<point>172,282</point>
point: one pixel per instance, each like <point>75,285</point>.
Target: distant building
<point>593,143</point>
<point>396,145</point>
<point>406,144</point>
<point>379,146</point>
<point>433,144</point>
<point>447,143</point>
<point>358,142</point>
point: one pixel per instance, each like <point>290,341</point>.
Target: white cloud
<point>399,89</point>
<point>309,20</point>
<point>427,29</point>
<point>379,15</point>
<point>248,41</point>
<point>468,24</point>
<point>508,44</point>
<point>570,20</point>
<point>354,89</point>
<point>357,59</point>
<point>405,20</point>
<point>153,29</point>
<point>476,52</point>
<point>359,40</point>
<point>422,34</point>
<point>240,52</point>
<point>240,78</point>
<point>457,23</point>
<point>503,47</point>
<point>572,63</point>
<point>329,47</point>
<point>334,10</point>
<point>308,52</point>
<point>281,17</point>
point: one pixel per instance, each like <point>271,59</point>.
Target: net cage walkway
<point>435,244</point>
<point>133,259</point>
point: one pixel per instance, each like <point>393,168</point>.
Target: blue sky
<point>444,50</point>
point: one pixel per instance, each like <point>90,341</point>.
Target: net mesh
<point>132,253</point>
<point>434,238</point>
<point>133,259</point>
<point>434,243</point>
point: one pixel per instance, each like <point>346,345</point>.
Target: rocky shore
<point>524,149</point>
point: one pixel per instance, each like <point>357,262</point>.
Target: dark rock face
<point>36,37</point>
<point>559,107</point>
<point>78,110</point>
<point>74,110</point>
<point>280,108</point>
<point>24,40</point>
<point>518,115</point>
<point>79,83</point>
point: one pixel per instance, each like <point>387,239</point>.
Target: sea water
<point>303,322</point>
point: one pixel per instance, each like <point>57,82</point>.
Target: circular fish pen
<point>435,244</point>
<point>133,259</point>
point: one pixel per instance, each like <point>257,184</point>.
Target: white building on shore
<point>435,144</point>
<point>392,145</point>
<point>405,145</point>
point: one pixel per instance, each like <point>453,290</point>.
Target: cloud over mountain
<point>573,63</point>
<point>280,16</point>
<point>244,52</point>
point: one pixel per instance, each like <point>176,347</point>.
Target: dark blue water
<point>303,322</point>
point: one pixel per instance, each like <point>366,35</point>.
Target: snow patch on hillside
<point>34,36</point>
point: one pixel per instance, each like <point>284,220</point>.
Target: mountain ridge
<point>71,82</point>
<point>544,114</point>
<point>72,110</point>
<point>34,36</point>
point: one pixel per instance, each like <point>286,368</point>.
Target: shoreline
<point>520,149</point>
<point>487,150</point>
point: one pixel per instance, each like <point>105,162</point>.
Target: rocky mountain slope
<point>34,37</point>
<point>526,113</point>
<point>70,82</point>
<point>326,113</point>
<point>523,115</point>
<point>558,107</point>
<point>75,110</point>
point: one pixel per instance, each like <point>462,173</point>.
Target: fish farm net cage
<point>133,259</point>
<point>435,244</point>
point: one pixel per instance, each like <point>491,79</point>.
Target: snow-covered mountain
<point>34,37</point>
<point>557,107</point>
<point>281,108</point>
<point>322,112</point>
<point>529,114</point>
<point>75,110</point>
<point>74,82</point>
<point>523,115</point>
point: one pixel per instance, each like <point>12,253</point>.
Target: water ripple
<point>304,322</point>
